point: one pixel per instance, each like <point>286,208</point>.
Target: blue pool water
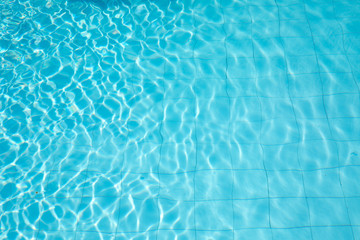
<point>193,119</point>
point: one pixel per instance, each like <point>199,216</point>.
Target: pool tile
<point>138,215</point>
<point>328,211</point>
<point>286,183</point>
<point>251,214</point>
<point>250,184</point>
<point>219,215</point>
<point>219,187</point>
<point>216,156</point>
<point>175,210</point>
<point>323,183</point>
<point>332,233</point>
<point>289,213</point>
<point>177,157</point>
<point>178,186</point>
<point>99,214</point>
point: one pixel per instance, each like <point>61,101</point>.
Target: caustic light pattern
<point>193,119</point>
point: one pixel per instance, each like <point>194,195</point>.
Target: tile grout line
<point>229,123</point>
<point>296,120</point>
<point>261,124</point>
<point>208,230</point>
<point>160,212</point>
<point>124,151</point>
<point>343,46</point>
<point>45,195</point>
<point>222,199</point>
<point>328,122</point>
<point>196,115</point>
<point>83,188</point>
<point>358,89</point>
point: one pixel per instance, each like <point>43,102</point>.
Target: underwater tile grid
<point>169,119</point>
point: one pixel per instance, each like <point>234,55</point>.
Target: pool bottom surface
<point>179,120</point>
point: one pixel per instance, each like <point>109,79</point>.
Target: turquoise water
<point>194,119</point>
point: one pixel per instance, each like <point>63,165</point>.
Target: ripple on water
<point>174,119</point>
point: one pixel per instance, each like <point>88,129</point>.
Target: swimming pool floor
<point>194,119</point>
